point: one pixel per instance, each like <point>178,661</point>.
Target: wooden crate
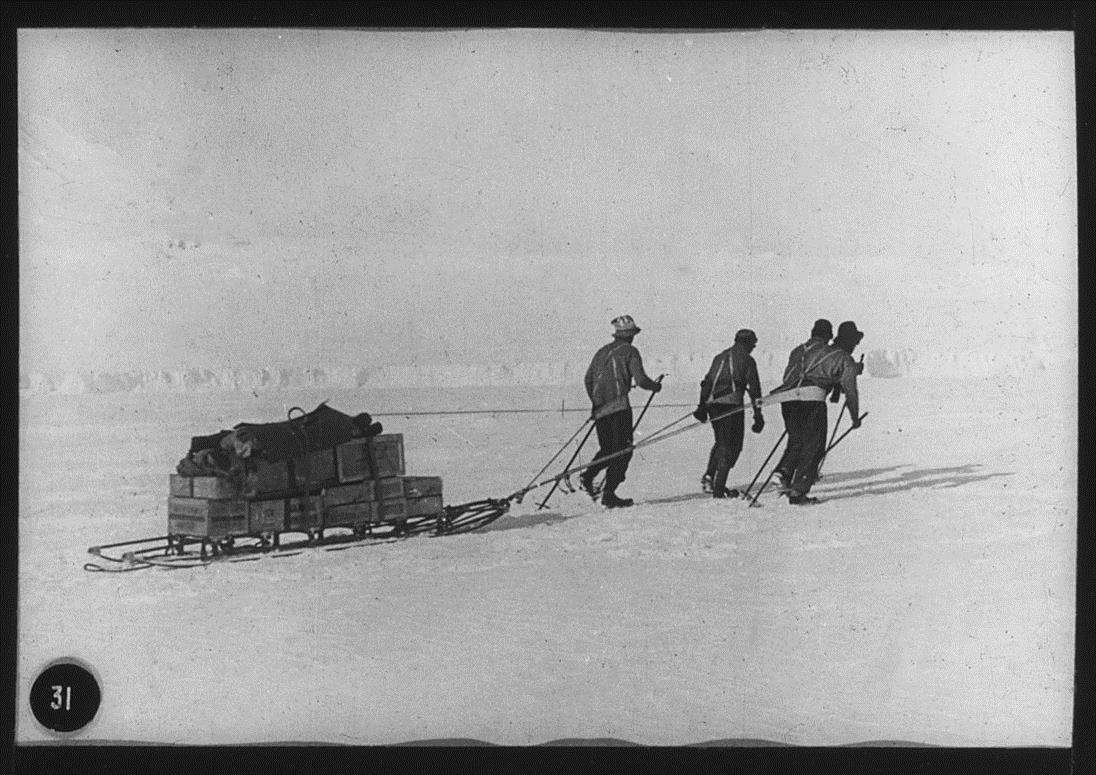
<point>387,455</point>
<point>322,465</point>
<point>375,457</point>
<point>352,461</point>
<point>214,487</point>
<point>392,509</point>
<point>351,514</point>
<point>388,488</point>
<point>207,518</point>
<point>349,493</point>
<point>423,507</point>
<point>180,485</point>
<point>421,486</point>
<point>270,478</point>
<point>266,516</point>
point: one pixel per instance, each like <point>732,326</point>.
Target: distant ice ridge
<point>878,363</point>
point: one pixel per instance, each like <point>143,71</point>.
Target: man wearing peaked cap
<point>733,373</point>
<point>624,326</point>
<point>608,380</point>
<point>814,368</point>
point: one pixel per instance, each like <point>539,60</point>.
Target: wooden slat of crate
<point>266,516</point>
<point>180,485</point>
<point>348,493</point>
<point>388,488</point>
<point>421,486</point>
<point>387,455</point>
<point>392,509</point>
<point>214,487</point>
<point>352,514</point>
<point>352,461</point>
<point>422,507</point>
<point>323,470</point>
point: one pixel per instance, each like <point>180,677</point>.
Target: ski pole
<point>573,436</point>
<point>646,405</point>
<point>846,433</point>
<point>572,460</point>
<point>839,416</point>
<point>763,486</point>
<point>746,494</point>
<point>597,485</point>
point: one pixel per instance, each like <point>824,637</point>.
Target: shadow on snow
<point>916,479</point>
<point>835,486</point>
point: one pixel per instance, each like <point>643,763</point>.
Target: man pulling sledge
<point>608,380</point>
<point>733,373</point>
<point>815,367</point>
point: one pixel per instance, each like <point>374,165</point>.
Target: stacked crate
<point>205,506</point>
<point>358,483</point>
<point>373,486</point>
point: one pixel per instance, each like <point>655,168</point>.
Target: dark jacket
<point>610,375</point>
<point>732,374</point>
<point>817,364</point>
<point>847,346</point>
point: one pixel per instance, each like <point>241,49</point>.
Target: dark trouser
<point>805,422</point>
<point>614,433</point>
<point>728,444</point>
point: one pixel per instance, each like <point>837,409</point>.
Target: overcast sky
<point>302,197</point>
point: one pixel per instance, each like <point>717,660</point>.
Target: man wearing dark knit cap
<point>608,380</point>
<point>733,373</point>
<point>848,337</point>
<point>814,367</point>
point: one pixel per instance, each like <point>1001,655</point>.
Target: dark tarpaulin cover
<point>321,428</point>
<point>213,441</point>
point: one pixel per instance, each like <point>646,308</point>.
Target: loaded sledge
<point>323,478</point>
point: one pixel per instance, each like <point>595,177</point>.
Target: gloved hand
<point>701,413</point>
<point>657,387</point>
<point>759,424</point>
<point>855,423</point>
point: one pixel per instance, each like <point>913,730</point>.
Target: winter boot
<point>610,501</point>
<point>798,499</point>
<point>706,483</point>
<point>784,479</point>
<point>586,482</point>
<point>726,493</point>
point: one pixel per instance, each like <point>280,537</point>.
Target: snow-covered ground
<point>930,598</point>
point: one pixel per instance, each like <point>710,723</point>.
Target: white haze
<point>302,198</point>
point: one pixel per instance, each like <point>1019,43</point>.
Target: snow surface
<point>929,599</point>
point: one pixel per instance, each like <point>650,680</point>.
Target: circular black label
<point>65,697</point>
